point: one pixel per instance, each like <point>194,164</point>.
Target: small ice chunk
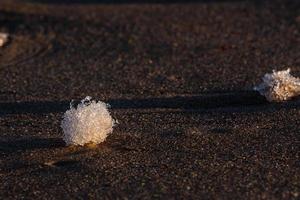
<point>3,39</point>
<point>279,86</point>
<point>90,122</point>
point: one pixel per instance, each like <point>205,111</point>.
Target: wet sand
<point>179,78</point>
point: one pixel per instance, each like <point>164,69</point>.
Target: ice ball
<point>3,39</point>
<point>279,86</point>
<point>89,122</point>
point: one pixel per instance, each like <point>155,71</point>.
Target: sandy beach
<point>179,77</point>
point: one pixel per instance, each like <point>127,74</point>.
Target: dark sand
<point>179,79</point>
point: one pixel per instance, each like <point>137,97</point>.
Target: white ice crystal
<point>90,122</point>
<point>279,86</point>
<point>3,39</point>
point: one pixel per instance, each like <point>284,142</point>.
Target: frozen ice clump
<point>90,122</point>
<point>3,39</point>
<point>279,86</point>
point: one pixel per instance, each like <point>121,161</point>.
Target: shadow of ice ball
<point>89,122</point>
<point>279,86</point>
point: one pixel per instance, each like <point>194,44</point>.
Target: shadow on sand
<point>132,1</point>
<point>204,101</point>
<point>10,145</point>
<point>243,101</point>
